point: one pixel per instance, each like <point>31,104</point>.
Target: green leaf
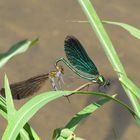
<point>32,135</point>
<point>18,48</point>
<point>132,30</point>
<point>107,45</point>
<point>28,110</point>
<point>9,101</point>
<point>130,85</point>
<point>86,112</point>
<point>125,106</point>
<point>2,100</point>
<point>101,34</point>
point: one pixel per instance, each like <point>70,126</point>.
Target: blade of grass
<point>101,34</point>
<point>9,101</point>
<point>73,123</point>
<point>125,106</point>
<point>2,100</point>
<point>18,48</point>
<point>28,110</point>
<point>130,85</point>
<point>132,30</point>
<point>108,47</point>
<point>30,132</point>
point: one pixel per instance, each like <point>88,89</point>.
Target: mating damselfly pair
<point>79,62</point>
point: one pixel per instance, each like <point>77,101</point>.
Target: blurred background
<point>50,20</point>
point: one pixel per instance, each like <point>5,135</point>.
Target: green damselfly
<point>80,63</point>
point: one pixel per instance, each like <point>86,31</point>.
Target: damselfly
<point>28,87</point>
<point>80,62</point>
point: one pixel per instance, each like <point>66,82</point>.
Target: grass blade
<point>18,48</point>
<point>125,106</point>
<point>27,111</point>
<point>86,112</point>
<point>30,132</point>
<point>132,30</point>
<point>101,34</point>
<point>9,101</point>
<point>130,85</point>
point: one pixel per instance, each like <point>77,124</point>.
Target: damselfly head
<point>102,82</point>
<point>60,68</point>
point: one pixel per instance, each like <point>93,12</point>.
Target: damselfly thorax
<point>102,82</point>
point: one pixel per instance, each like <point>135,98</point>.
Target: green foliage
<point>130,85</point>
<point>85,112</point>
<point>18,48</point>
<point>9,101</point>
<point>132,30</point>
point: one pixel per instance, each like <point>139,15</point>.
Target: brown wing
<point>26,88</point>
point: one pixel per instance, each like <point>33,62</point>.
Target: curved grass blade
<point>72,124</point>
<point>18,48</point>
<point>132,30</point>
<point>28,110</point>
<point>78,57</point>
<point>133,113</point>
<point>86,112</point>
<point>108,47</point>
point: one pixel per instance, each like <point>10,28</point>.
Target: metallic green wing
<point>78,57</point>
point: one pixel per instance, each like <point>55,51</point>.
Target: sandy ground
<point>51,21</point>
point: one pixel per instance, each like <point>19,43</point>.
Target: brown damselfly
<point>30,86</point>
